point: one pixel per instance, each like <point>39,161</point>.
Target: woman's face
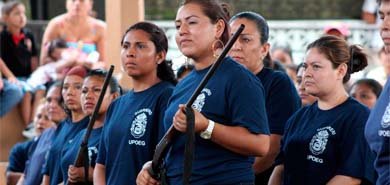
<point>138,54</point>
<point>90,93</point>
<point>306,99</point>
<point>320,79</point>
<point>55,111</point>
<point>41,119</point>
<point>79,7</point>
<point>364,94</point>
<point>248,49</point>
<point>71,92</point>
<point>17,17</point>
<point>195,32</point>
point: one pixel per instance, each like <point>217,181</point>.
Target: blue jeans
<point>10,95</point>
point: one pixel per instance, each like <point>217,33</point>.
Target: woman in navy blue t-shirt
<point>90,93</point>
<point>67,129</point>
<point>281,96</point>
<point>133,123</point>
<point>324,142</point>
<point>230,118</point>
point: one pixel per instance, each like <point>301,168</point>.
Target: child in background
<point>18,50</point>
<point>10,92</point>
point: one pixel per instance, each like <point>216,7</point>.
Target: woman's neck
<point>77,116</point>
<point>76,20</point>
<point>203,62</point>
<point>99,121</point>
<point>258,68</point>
<point>13,30</point>
<point>333,99</point>
<point>142,83</point>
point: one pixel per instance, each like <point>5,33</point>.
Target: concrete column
<point>120,14</point>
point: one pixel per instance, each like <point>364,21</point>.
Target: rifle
<point>82,155</point>
<point>172,133</point>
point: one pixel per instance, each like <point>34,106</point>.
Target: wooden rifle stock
<point>170,135</point>
<point>82,155</point>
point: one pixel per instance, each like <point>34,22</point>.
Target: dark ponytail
<point>357,61</point>
<point>165,72</point>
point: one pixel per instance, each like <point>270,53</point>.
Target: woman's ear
<point>160,57</point>
<point>220,27</point>
<point>342,71</point>
<point>264,49</point>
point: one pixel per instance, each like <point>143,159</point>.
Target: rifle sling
<point>189,145</point>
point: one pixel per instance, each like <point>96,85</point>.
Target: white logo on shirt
<point>200,100</point>
<point>319,141</point>
<point>138,126</point>
<point>386,117</point>
<point>92,151</point>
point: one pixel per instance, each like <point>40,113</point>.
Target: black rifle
<point>171,134</point>
<point>82,155</point>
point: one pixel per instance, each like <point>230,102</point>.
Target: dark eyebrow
<point>189,17</point>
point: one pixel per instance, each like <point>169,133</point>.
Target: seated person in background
<point>284,56</point>
<point>81,31</point>
<point>183,71</point>
<point>32,173</point>
<point>62,59</point>
<point>18,50</point>
<point>366,91</point>
<point>22,151</point>
<point>10,92</point>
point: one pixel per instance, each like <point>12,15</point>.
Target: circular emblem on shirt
<point>201,99</point>
<point>138,126</point>
<point>318,142</point>
<point>386,117</point>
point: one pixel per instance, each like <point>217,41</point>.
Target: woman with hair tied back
<point>231,124</point>
<point>134,122</point>
<point>324,142</point>
<point>281,97</point>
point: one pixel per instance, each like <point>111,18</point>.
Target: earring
<point>216,48</point>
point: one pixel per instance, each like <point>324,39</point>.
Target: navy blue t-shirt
<point>378,135</point>
<point>320,144</point>
<point>281,98</point>
<point>133,127</point>
<point>71,150</point>
<point>233,97</point>
<point>281,102</point>
<point>33,172</point>
<point>65,131</point>
<point>19,155</point>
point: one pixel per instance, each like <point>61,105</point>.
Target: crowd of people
<point>260,119</point>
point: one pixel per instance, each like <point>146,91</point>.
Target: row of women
<point>248,118</point>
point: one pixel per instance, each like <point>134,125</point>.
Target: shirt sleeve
<point>246,102</point>
<point>355,154</point>
<point>18,158</point>
<point>101,157</point>
<point>281,103</point>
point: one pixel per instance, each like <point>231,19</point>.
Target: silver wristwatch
<point>206,134</point>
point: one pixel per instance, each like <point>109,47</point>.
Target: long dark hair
<point>160,41</point>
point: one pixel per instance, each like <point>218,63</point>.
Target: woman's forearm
<point>240,140</point>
